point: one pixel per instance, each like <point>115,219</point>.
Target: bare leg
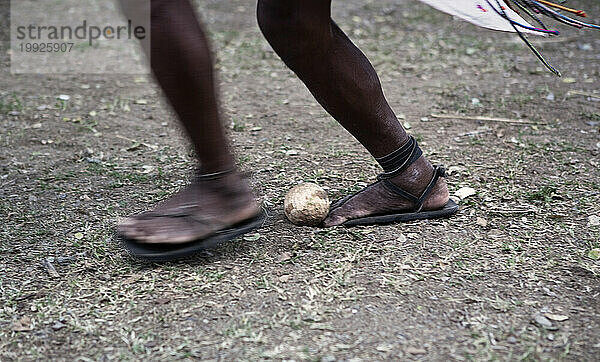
<point>344,82</point>
<point>182,65</point>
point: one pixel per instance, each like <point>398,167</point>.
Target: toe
<point>127,222</point>
<point>128,226</point>
<point>132,228</point>
<point>130,231</point>
<point>334,218</point>
<point>171,238</point>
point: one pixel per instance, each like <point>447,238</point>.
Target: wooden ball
<point>306,204</point>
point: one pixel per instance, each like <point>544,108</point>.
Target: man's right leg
<point>344,82</point>
<point>182,64</point>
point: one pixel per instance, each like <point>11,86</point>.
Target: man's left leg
<point>218,204</point>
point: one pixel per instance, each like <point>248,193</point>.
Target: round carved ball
<point>306,204</point>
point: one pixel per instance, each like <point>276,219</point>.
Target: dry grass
<point>464,288</point>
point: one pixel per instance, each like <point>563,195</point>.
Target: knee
<point>291,30</point>
<point>165,10</point>
<point>277,19</point>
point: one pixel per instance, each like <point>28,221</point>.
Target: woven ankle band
<point>394,163</point>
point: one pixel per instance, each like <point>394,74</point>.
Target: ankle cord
<point>212,176</point>
<point>394,163</point>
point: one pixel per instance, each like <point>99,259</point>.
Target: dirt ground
<point>514,275</point>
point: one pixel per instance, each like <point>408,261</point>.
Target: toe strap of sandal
<point>185,211</point>
<point>439,171</point>
<point>179,211</point>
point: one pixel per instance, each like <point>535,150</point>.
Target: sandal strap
<point>178,212</point>
<point>397,190</point>
<point>438,171</point>
<point>396,162</point>
<point>212,176</point>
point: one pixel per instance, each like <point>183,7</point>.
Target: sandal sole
<point>450,209</point>
<point>170,252</point>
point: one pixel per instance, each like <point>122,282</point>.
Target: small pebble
<point>58,325</point>
<point>542,321</point>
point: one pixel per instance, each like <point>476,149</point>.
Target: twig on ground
<point>489,119</point>
<point>524,210</point>
<point>7,183</point>
<point>50,268</point>
<point>153,147</point>
<point>580,93</point>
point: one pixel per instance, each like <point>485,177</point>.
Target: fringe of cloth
<point>535,9</point>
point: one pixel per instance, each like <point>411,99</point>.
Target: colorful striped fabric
<point>479,13</point>
<point>499,15</point>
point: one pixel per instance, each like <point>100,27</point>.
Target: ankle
<point>415,177</point>
<point>222,163</point>
<point>398,161</point>
<point>226,185</point>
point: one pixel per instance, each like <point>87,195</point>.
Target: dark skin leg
<point>344,82</point>
<point>182,65</point>
<point>335,71</point>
